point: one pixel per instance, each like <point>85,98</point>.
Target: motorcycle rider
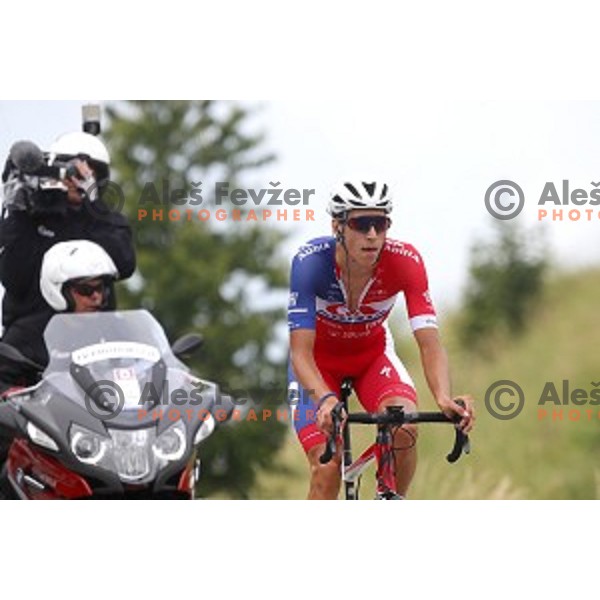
<point>76,276</point>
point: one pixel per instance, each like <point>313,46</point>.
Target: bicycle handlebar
<point>395,415</point>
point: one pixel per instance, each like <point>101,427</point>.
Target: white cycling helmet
<point>83,145</point>
<point>359,195</point>
<point>67,261</point>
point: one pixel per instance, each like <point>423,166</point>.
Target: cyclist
<point>342,290</point>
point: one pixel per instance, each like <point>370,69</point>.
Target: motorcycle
<point>116,413</point>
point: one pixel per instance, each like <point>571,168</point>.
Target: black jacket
<point>24,240</point>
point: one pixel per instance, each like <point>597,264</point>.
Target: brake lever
<point>461,441</point>
<point>331,446</point>
<point>330,450</point>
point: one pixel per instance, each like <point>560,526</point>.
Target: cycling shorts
<point>376,377</point>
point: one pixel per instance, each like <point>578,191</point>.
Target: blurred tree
<point>218,277</point>
<point>505,278</point>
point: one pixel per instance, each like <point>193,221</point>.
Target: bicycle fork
<point>386,467</point>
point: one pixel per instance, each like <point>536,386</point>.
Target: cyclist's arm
<point>423,322</point>
<point>435,366</point>
<point>302,343</point>
<point>305,278</point>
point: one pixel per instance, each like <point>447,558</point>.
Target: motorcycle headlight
<point>87,446</point>
<point>130,453</point>
<point>170,444</point>
<point>40,438</point>
<point>134,455</point>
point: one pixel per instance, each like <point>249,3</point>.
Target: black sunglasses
<point>364,224</point>
<point>87,289</point>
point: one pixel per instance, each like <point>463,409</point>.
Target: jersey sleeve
<point>421,312</point>
<point>302,301</point>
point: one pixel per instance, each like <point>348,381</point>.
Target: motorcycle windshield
<point>116,351</point>
<point>69,333</point>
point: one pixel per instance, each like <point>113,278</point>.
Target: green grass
<point>524,457</point>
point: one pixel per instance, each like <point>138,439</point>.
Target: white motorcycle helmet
<point>78,144</point>
<point>359,195</point>
<point>73,260</point>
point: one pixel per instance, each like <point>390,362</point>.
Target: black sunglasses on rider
<point>87,289</point>
<point>364,224</point>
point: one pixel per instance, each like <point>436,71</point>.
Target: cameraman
<point>39,216</point>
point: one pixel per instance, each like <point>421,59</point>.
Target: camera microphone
<point>26,157</point>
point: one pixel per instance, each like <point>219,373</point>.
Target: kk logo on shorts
<point>386,372</point>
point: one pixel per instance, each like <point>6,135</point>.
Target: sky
<point>439,158</point>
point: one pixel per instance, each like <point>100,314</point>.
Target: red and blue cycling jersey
<point>318,299</point>
<point>355,343</point>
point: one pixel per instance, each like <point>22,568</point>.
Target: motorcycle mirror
<point>186,345</point>
<point>11,353</point>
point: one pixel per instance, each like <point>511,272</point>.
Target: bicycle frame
<point>381,452</point>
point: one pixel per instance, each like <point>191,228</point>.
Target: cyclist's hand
<point>324,420</point>
<point>450,408</point>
